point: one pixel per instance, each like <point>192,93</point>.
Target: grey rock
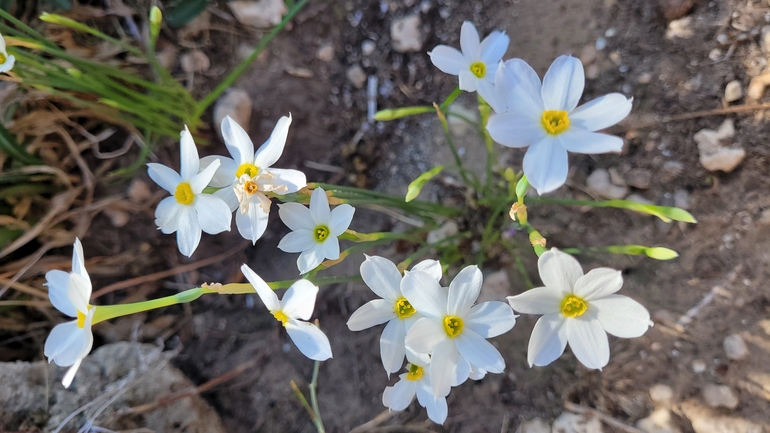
<point>599,183</point>
<point>357,76</point>
<point>719,396</point>
<point>764,39</point>
<point>235,103</point>
<point>661,394</point>
<point>659,421</point>
<point>325,53</point>
<point>261,13</point>
<point>405,34</point>
<point>534,425</point>
<point>569,422</point>
<point>733,91</point>
<point>735,347</point>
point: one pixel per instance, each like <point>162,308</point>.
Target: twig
<point>576,408</point>
<point>302,399</point>
<point>374,422</point>
<point>163,274</point>
<point>696,114</point>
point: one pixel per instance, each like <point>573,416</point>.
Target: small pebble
<point>357,76</point>
<point>715,54</point>
<point>599,183</point>
<point>588,54</point>
<point>682,199</point>
<point>368,47</point>
<point>639,178</point>
<point>735,347</point>
<point>661,394</point>
<point>405,34</point>
<point>764,39</point>
<point>698,366</point>
<point>601,44</point>
<point>645,78</point>
<point>733,91</point>
<point>325,53</point>
<point>719,396</point>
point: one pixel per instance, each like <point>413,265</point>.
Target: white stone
<point>235,103</point>
<point>367,47</point>
<point>680,28</point>
<point>405,34</point>
<point>599,183</point>
<point>698,366</point>
<point>764,39</point>
<point>534,425</point>
<point>261,13</point>
<point>719,396</point>
<point>357,76</point>
<point>714,156</point>
<point>661,394</point>
<point>325,53</point>
<point>735,347</point>
<point>573,423</point>
<point>704,421</point>
<point>733,91</point>
<point>659,421</point>
<point>195,61</point>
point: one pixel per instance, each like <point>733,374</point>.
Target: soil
<point>723,258</point>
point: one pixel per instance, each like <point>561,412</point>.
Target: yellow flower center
<point>453,326</point>
<point>250,187</point>
<point>81,320</point>
<point>250,169</point>
<point>321,233</point>
<point>572,306</point>
<point>403,308</point>
<point>281,317</point>
<point>3,59</point>
<point>555,121</point>
<point>184,193</point>
<point>479,69</point>
<point>415,372</point>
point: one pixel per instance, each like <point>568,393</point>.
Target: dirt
<point>725,254</point>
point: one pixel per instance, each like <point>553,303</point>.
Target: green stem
<point>232,76</point>
<point>314,399</point>
<point>107,312</point>
<point>449,99</point>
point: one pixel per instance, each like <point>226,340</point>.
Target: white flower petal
<point>486,89</point>
<point>588,341</point>
<point>392,350</point>
<point>341,217</point>
<point>601,112</point>
<point>468,81</point>
<point>589,143</point>
<point>519,88</point>
<point>201,180</point>
<point>266,294</point>
<point>58,283</point>
<point>66,343</point>
<point>227,194</point>
<point>540,300</point>
<point>477,373</point>
<point>167,215</point>
<point>563,84</point>
<point>79,292</point>
<point>299,301</point>
<point>214,215</point>
<point>271,150</point>
<point>165,177</point>
<point>559,270</point>
<point>424,335</point>
<point>373,313</point>
<point>310,340</point>
<point>296,216</point>
<point>188,233</point>
<point>412,357</point>
<point>237,141</point>
<point>470,43</point>
<point>69,376</point>
<point>621,316</point>
<point>225,174</point>
<point>382,277</point>
<point>493,47</point>
<point>462,372</point>
<point>598,283</point>
<point>188,155</point>
<point>432,267</point>
<point>548,340</point>
<point>425,294</point>
<point>294,180</point>
<point>319,207</point>
<point>79,261</point>
<point>442,367</point>
<point>3,46</point>
<point>331,248</point>
<point>436,407</point>
<point>546,165</point>
<point>490,319</point>
<point>297,241</point>
<point>310,259</point>
<point>8,65</point>
<point>479,352</point>
<point>400,395</point>
<point>464,290</point>
<point>511,129</point>
<point>253,223</point>
<point>448,60</point>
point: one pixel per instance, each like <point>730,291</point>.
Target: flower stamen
<point>250,169</point>
<point>555,121</point>
<point>479,69</point>
<point>403,308</point>
<point>415,372</point>
<point>572,306</point>
<point>453,326</point>
<point>3,59</point>
<point>281,317</point>
<point>321,233</point>
<point>184,193</point>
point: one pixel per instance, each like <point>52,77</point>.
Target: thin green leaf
<point>665,213</point>
<point>416,186</point>
<point>397,113</point>
<point>9,145</point>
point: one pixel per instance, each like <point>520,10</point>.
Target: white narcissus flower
<point>578,309</point>
<point>384,279</point>
<point>545,118</point>
<point>6,60</point>
<point>454,331</point>
<point>314,230</point>
<point>477,63</point>
<point>188,210</point>
<point>70,293</point>
<point>247,176</point>
<point>292,311</point>
<point>416,381</point>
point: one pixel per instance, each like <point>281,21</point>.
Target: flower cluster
<point>544,117</point>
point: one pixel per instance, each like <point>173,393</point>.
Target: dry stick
<point>379,419</point>
<point>696,114</point>
<point>163,274</point>
<point>166,401</point>
<point>576,408</point>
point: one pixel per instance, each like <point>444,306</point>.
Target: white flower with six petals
<point>416,381</point>
<point>188,210</point>
<point>247,176</point>
<point>477,63</point>
<point>454,331</point>
<point>545,118</point>
<point>293,311</point>
<point>578,309</point>
<point>70,342</point>
<point>315,230</point>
